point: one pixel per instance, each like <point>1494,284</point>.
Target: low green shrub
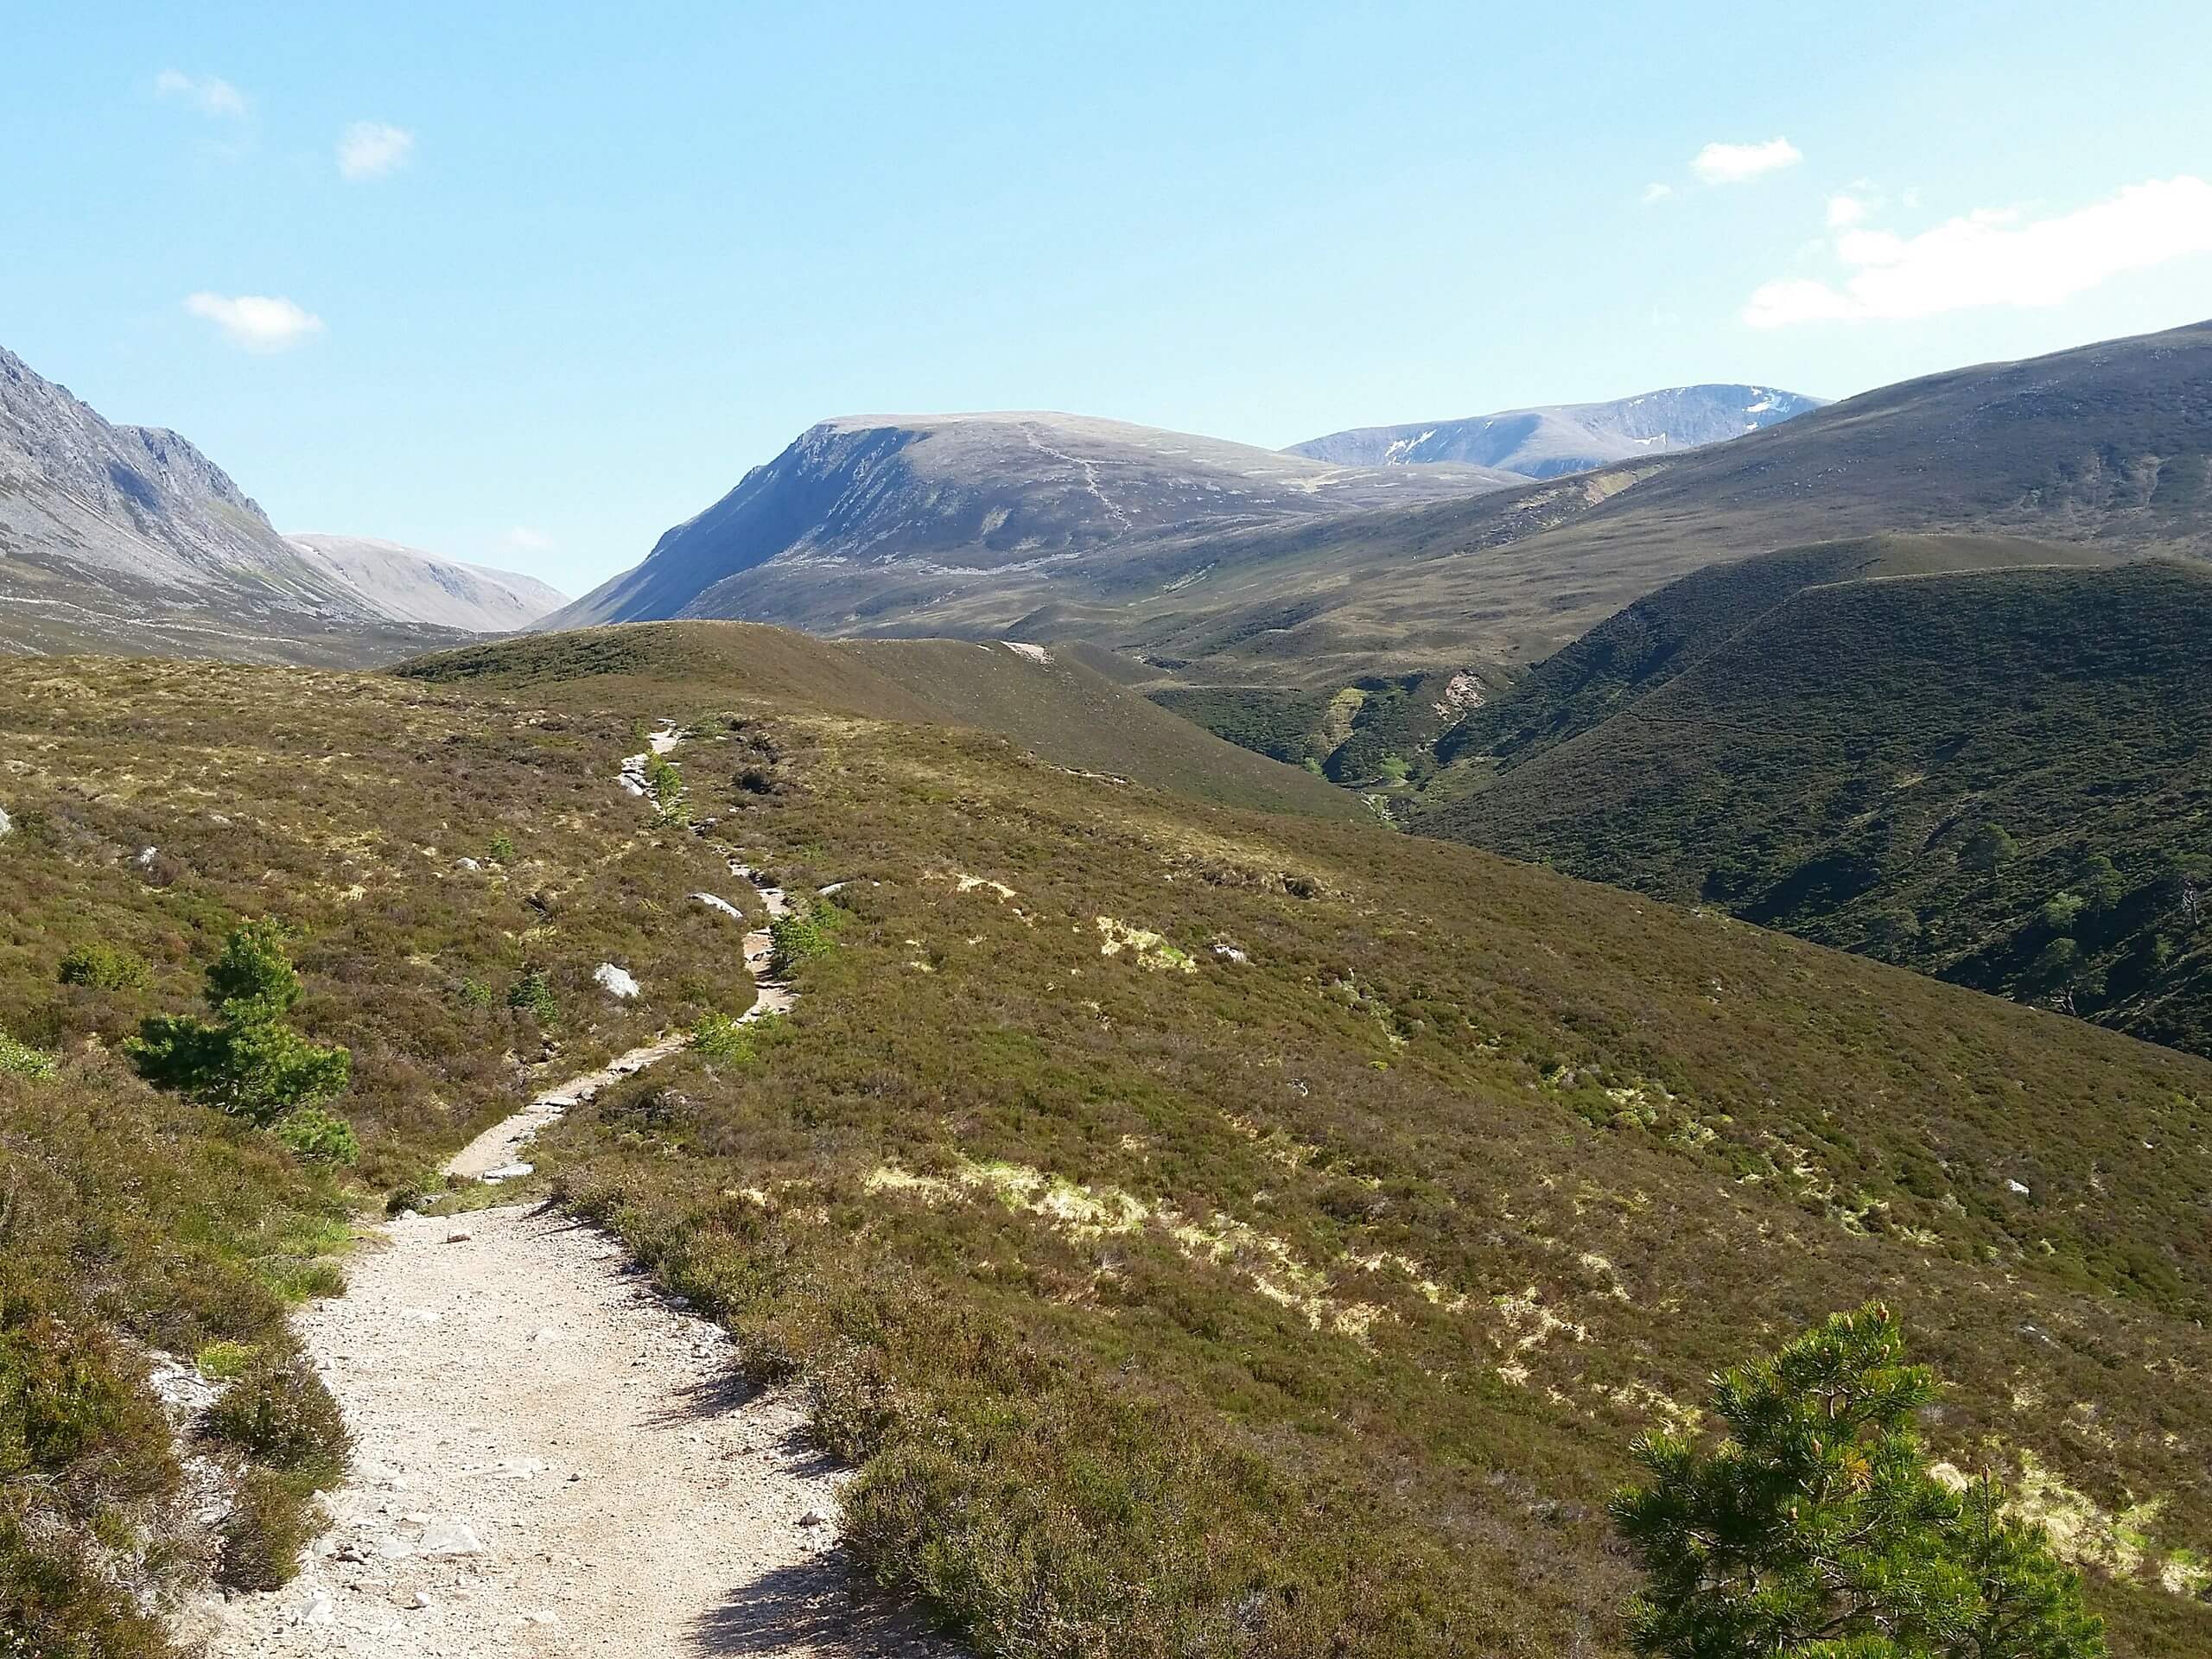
<point>802,935</point>
<point>502,850</point>
<point>247,1061</point>
<point>719,1037</point>
<point>22,1060</point>
<point>103,967</point>
<point>533,995</point>
<point>221,1362</point>
<point>322,1136</point>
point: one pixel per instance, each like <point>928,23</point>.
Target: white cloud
<point>1739,163</point>
<point>209,94</point>
<point>1656,192</point>
<point>1995,258</point>
<point>523,539</point>
<point>257,322</point>
<point>1846,210</point>
<point>369,150</point>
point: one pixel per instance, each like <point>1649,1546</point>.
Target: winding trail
<point>552,1458</point>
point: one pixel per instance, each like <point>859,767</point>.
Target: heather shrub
<point>103,967</point>
<point>279,1414</point>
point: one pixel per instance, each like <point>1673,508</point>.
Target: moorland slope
<point>1173,1211</point>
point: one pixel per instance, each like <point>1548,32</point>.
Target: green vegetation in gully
<point>1384,732</point>
<point>2000,777</point>
<point>1207,1232</point>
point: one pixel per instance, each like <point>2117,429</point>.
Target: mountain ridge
<point>1549,440</point>
<point>129,538</point>
<point>409,585</point>
<point>943,502</point>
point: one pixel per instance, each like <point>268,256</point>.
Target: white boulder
<point>617,983</point>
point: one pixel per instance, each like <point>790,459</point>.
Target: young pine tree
<point>1815,1531</point>
<point>247,1060</point>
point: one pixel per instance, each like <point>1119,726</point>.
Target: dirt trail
<point>552,1459</point>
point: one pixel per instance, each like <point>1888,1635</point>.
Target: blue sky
<point>553,276</point>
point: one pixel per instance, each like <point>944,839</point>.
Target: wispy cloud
<point>1656,192</point>
<point>1996,257</point>
<point>1845,209</point>
<point>1740,163</point>
<point>209,94</point>
<point>523,539</point>
<point>369,150</point>
<point>256,322</point>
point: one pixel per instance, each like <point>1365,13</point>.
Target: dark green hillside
<point>2002,779</point>
<point>1644,646</point>
<point>1385,733</point>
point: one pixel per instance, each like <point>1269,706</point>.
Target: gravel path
<point>551,1458</point>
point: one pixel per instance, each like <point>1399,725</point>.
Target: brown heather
<point>1171,1303</point>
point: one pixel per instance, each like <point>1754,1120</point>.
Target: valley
<point>794,862</point>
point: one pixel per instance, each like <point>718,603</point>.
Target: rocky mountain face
<point>127,538</point>
<point>130,502</point>
<point>409,585</point>
<point>1569,437</point>
<point>933,508</point>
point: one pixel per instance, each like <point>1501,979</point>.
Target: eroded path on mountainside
<point>552,1458</point>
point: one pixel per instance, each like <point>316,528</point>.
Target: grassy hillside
<point>1170,1291</point>
<point>1056,703</point>
<point>151,808</point>
<point>1998,778</point>
<point>1298,1296</point>
<point>1647,643</point>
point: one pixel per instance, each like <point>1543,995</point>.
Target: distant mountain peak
<point>410,585</point>
<point>947,503</point>
<point>1559,438</point>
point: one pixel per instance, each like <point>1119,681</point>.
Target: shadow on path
<point>818,1605</point>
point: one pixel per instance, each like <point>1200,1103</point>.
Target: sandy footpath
<point>552,1459</point>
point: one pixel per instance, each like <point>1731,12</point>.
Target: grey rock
<point>448,1541</point>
